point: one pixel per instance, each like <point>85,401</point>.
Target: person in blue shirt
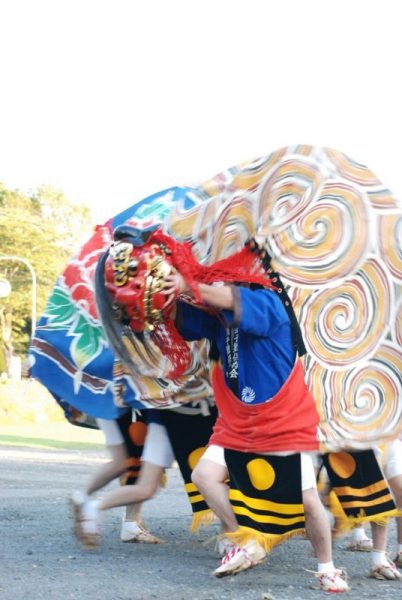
<point>265,410</point>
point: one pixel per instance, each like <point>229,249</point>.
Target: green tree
<point>46,229</point>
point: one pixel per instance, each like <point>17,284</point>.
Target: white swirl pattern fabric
<point>335,235</point>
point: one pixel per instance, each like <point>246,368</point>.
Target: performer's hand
<point>174,284</point>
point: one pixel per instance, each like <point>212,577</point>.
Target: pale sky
<point>113,100</point>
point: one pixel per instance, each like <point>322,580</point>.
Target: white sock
<point>79,497</point>
<point>131,521</point>
<point>326,567</point>
<point>378,558</point>
<point>91,509</point>
<point>358,534</point>
<point>132,526</point>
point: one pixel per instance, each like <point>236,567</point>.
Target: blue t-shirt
<point>254,341</point>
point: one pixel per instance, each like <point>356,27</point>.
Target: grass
<point>51,435</point>
<point>30,417</point>
<point>14,440</point>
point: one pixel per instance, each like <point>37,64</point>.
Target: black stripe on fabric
<point>193,493</point>
<point>199,506</point>
<point>367,498</point>
<point>268,528</point>
<point>261,512</point>
<point>133,470</point>
<point>283,481</point>
<point>370,510</point>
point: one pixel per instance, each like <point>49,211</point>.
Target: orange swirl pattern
<point>328,241</point>
<point>351,170</point>
<point>390,243</point>
<point>379,196</point>
<point>288,190</point>
<point>397,337</point>
<point>335,234</point>
<point>349,320</point>
<point>357,405</point>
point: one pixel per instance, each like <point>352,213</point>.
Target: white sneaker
<point>224,546</point>
<point>132,531</point>
<point>233,562</point>
<point>255,551</point>
<point>86,520</point>
<point>240,558</point>
<point>334,581</point>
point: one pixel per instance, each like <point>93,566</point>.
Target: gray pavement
<point>40,559</point>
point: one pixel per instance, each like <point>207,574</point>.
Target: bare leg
<point>381,566</point>
<point>132,527</point>
<point>380,537</point>
<point>133,512</point>
<point>317,526</point>
<point>395,483</point>
<point>399,530</point>
<point>318,532</point>
<point>147,484</point>
<point>109,471</point>
<point>210,478</point>
<point>398,557</point>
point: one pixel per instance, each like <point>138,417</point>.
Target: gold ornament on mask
<point>121,253</point>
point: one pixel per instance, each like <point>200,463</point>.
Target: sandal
<point>398,560</point>
<point>334,581</point>
<point>389,572</point>
<point>364,545</point>
<point>133,532</point>
<point>86,521</point>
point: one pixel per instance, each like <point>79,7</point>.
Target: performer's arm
<point>257,312</point>
<point>220,297</point>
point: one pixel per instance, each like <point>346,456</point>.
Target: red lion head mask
<point>133,272</point>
